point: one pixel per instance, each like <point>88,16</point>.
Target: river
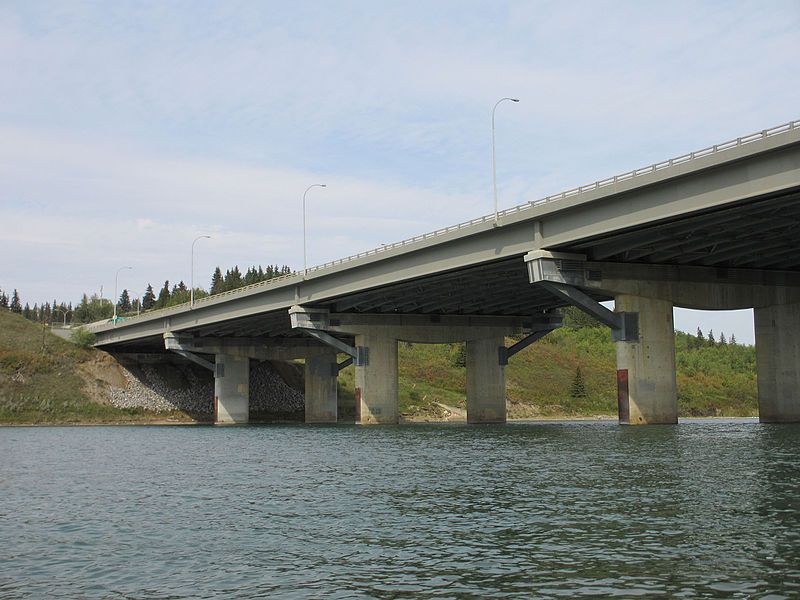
<point>702,509</point>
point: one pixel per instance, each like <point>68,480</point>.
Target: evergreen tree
<point>722,340</point>
<point>124,304</point>
<point>732,341</point>
<point>460,359</point>
<point>701,339</point>
<point>149,298</point>
<point>3,300</point>
<point>711,340</point>
<point>233,278</point>
<point>578,389</point>
<point>163,296</point>
<point>216,281</point>
<point>16,305</point>
<point>26,312</point>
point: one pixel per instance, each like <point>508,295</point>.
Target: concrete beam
<point>376,379</point>
<point>231,390</point>
<point>320,388</point>
<point>646,387</point>
<point>486,381</point>
<point>256,348</point>
<point>778,363</point>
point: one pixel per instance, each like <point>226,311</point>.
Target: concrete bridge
<point>714,229</point>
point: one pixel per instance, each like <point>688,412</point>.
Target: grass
<point>712,381</point>
<point>40,381</point>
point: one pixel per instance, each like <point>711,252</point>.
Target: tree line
<point>95,308</point>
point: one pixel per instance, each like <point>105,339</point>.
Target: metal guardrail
<point>685,158</point>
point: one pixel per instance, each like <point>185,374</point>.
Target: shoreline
<point>193,423</point>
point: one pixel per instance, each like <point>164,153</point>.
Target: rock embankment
<point>168,387</point>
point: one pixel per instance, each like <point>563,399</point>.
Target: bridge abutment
<point>321,396</point>
<point>777,330</point>
<point>231,389</point>
<point>646,387</point>
<point>486,381</point>
<point>376,379</point>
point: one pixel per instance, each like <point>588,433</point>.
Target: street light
<point>116,278</point>
<point>191,276</point>
<point>64,312</point>
<point>305,262</point>
<point>494,162</point>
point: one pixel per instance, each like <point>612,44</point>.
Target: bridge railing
<point>602,183</point>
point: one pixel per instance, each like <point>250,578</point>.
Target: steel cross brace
<point>624,326</point>
<point>506,353</point>
<point>358,354</point>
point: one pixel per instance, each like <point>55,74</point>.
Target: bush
<point>83,337</point>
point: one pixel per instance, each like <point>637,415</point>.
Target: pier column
<point>376,381</point>
<point>321,372</point>
<point>486,381</point>
<point>646,387</point>
<point>231,389</point>
<point>778,362</point>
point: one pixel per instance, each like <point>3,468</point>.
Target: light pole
<point>191,276</point>
<point>116,278</point>
<point>494,162</point>
<point>64,312</point>
<point>305,262</point>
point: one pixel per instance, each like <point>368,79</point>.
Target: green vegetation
<point>569,373</point>
<point>82,337</point>
<point>41,379</point>
<point>572,373</point>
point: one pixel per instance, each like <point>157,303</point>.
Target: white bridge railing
<point>685,158</point>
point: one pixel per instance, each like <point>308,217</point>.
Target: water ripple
<point>526,510</point>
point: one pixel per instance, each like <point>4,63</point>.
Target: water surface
<point>702,509</point>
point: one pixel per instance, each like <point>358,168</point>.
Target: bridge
<point>715,229</point>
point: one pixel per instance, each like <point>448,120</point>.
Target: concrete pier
<point>646,387</point>
<point>778,362</point>
<point>486,381</point>
<point>320,388</point>
<point>376,381</point>
<point>231,389</point>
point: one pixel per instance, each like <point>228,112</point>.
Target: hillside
<point>44,379</point>
<point>541,380</point>
<point>47,380</point>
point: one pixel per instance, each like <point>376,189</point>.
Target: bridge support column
<point>376,380</point>
<point>321,372</point>
<point>486,381</point>
<point>778,363</point>
<point>646,387</point>
<point>231,389</point>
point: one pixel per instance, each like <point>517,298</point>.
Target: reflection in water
<point>544,510</point>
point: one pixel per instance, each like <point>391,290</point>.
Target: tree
<point>233,279</point>
<point>701,339</point>
<point>574,318</point>
<point>732,341</point>
<point>149,298</point>
<point>3,300</point>
<point>711,340</point>
<point>16,305</point>
<point>216,281</point>
<point>26,312</point>
<point>722,340</point>
<point>124,304</point>
<point>578,389</point>
<point>460,359</point>
<point>163,296</point>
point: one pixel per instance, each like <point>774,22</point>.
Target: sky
<point>127,129</point>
